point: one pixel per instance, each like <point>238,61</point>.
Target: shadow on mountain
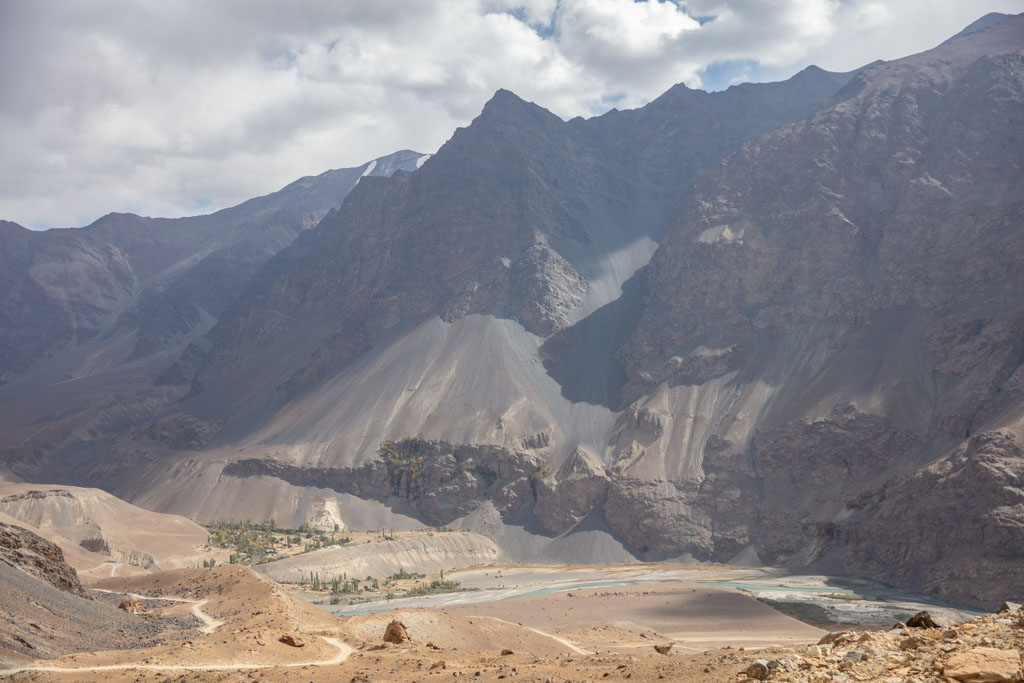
<point>581,358</point>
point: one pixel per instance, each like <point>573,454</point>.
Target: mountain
<point>90,316</point>
<point>833,336</point>
<point>433,304</point>
<point>101,535</point>
<point>160,277</point>
<point>778,324</point>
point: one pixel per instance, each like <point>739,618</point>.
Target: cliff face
<point>34,555</point>
<point>842,300</point>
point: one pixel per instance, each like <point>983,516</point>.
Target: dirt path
<point>209,623</point>
<point>343,653</point>
<point>568,643</point>
<point>209,626</point>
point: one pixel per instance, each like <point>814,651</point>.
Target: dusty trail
<point>568,643</point>
<point>210,625</point>
<point>343,653</point>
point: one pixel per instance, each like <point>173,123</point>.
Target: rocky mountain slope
<point>90,316</point>
<point>839,306</point>
<point>779,324</point>
<point>159,277</point>
<point>46,611</point>
<point>431,305</point>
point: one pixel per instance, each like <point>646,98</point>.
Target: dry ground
<point>592,634</point>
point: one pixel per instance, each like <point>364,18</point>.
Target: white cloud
<point>167,108</point>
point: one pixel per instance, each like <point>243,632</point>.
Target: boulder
<point>292,639</point>
<point>395,632</point>
<point>758,670</point>
<point>663,648</point>
<point>131,606</point>
<point>922,620</point>
<point>1010,607</point>
<point>984,665</point>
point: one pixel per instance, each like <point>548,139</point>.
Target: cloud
<point>166,108</point>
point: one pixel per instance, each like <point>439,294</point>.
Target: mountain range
<point>782,324</point>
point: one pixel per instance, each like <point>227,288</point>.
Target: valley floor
<point>558,623</point>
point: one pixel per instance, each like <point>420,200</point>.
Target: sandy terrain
<point>414,552</point>
<point>102,535</point>
<point>630,617</point>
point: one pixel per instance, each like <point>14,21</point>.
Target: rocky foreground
<point>983,650</point>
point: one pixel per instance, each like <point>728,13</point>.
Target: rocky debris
<point>981,650</point>
<point>663,648</point>
<point>292,639</point>
<point>440,664</point>
<point>395,632</point>
<point>921,620</point>
<point>443,481</point>
<point>132,606</point>
<point>34,555</point>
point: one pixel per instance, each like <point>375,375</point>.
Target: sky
<point>179,107</point>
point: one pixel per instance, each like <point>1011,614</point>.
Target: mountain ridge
<point>767,323</point>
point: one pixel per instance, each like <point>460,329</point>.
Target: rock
<point>832,637</point>
<point>984,665</point>
<point>921,620</point>
<point>507,652</point>
<point>440,664</point>
<point>758,670</point>
<point>38,557</point>
<point>131,606</point>
<point>1010,607</point>
<point>395,632</point>
<point>292,639</point>
<point>912,643</point>
<point>663,648</point>
<point>576,489</point>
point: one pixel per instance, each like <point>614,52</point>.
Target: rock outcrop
<point>579,487</point>
<point>441,481</point>
<point>34,555</point>
<point>396,633</point>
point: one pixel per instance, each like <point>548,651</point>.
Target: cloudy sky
<point>177,107</point>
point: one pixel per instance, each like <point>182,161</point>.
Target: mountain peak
<point>990,19</point>
<point>505,102</point>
